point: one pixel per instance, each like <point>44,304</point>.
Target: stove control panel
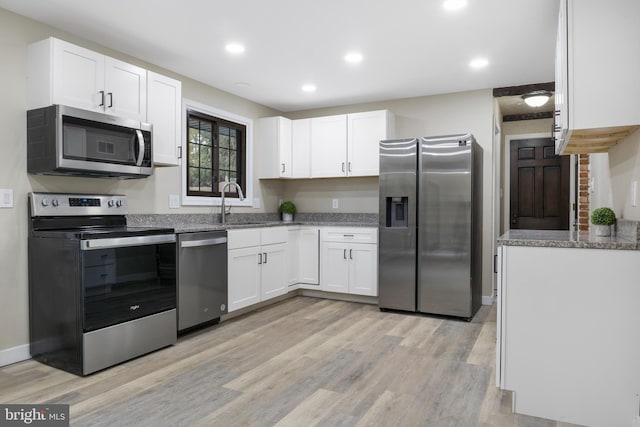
<point>59,204</point>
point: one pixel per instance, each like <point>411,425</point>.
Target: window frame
<point>206,200</point>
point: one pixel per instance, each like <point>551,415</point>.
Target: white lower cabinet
<point>349,261</point>
<point>257,265</point>
<point>309,257</point>
<point>567,333</point>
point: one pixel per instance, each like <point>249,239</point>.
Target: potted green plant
<point>287,209</point>
<point>603,219</point>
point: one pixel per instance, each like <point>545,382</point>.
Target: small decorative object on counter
<point>603,219</point>
<point>287,209</point>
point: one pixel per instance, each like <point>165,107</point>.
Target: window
<point>215,155</point>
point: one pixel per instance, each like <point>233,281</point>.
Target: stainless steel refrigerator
<point>430,231</point>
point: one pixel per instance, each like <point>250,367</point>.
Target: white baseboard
<point>488,300</point>
<point>14,354</point>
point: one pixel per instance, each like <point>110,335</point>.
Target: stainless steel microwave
<point>63,140</point>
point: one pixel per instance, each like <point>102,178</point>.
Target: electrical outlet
<point>634,193</point>
<point>256,203</point>
<point>334,203</point>
<point>6,198</point>
<point>174,201</point>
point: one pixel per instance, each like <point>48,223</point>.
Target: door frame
<point>506,178</point>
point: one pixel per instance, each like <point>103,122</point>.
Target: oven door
<point>127,278</point>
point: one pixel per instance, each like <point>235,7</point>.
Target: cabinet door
<point>78,76</point>
<point>293,241</point>
<point>164,103</point>
<point>301,148</point>
<point>244,277</point>
<point>363,269</point>
<point>335,267</point>
<point>284,147</point>
<point>273,147</point>
<point>365,131</point>
<point>126,90</point>
<point>309,256</point>
<point>328,146</point>
<point>274,271</point>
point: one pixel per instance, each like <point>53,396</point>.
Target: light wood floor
<point>301,362</point>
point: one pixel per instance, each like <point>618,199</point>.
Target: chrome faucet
<point>224,187</point>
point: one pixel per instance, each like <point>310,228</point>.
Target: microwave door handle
<point>140,147</point>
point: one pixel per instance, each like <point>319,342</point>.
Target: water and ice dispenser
<point>397,212</point>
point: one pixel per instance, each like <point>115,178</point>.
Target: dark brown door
<point>539,186</point>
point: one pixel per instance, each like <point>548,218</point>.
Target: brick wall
<point>583,193</point>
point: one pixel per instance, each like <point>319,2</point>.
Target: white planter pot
<point>287,217</point>
<point>602,230</point>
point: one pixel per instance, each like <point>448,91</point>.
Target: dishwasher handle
<point>204,242</point>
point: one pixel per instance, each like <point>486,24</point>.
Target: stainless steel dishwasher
<point>202,278</point>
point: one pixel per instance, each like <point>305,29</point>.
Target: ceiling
<point>409,47</point>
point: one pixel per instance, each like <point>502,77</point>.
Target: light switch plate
<point>174,201</point>
<point>334,203</point>
<point>256,203</point>
<point>6,198</point>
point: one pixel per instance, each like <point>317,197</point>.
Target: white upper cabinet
<point>301,148</point>
<point>348,145</point>
<point>273,146</point>
<point>164,103</point>
<point>322,147</point>
<point>328,146</point>
<point>364,132</point>
<point>125,87</point>
<point>597,74</point>
<point>62,73</point>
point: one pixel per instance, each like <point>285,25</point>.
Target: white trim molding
<point>14,355</point>
<point>188,104</point>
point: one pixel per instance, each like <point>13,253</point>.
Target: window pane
<point>205,180</point>
<point>223,156</point>
<point>233,140</point>
<point>205,138</point>
<point>193,135</point>
<point>194,179</point>
<point>205,157</point>
<point>224,138</point>
<point>232,160</point>
<point>233,177</point>
<point>194,155</point>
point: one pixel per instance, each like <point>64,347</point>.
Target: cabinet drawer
<point>272,235</point>
<point>243,238</point>
<point>350,234</point>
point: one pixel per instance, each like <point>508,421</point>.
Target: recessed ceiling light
<point>234,48</point>
<point>309,88</point>
<point>242,84</point>
<point>353,57</point>
<point>454,5</point>
<point>478,63</point>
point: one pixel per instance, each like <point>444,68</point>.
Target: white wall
<point>624,163</point>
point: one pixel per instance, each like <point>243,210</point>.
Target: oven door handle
<point>140,147</point>
<point>205,242</point>
<point>120,242</point>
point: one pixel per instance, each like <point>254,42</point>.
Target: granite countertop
<point>191,223</point>
<point>626,237</point>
